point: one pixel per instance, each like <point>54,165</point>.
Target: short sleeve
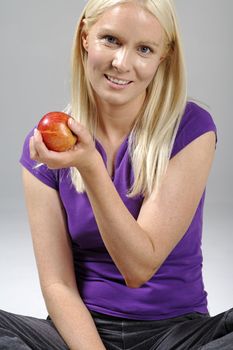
<point>195,122</point>
<point>42,172</point>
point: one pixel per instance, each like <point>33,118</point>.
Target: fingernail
<point>35,132</point>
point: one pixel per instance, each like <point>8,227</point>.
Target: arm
<point>139,247</point>
<point>55,266</point>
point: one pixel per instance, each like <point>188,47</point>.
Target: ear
<point>84,37</point>
<point>85,41</point>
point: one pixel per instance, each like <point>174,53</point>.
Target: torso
<point>111,154</point>
<point>111,151</point>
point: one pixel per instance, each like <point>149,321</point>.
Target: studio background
<point>36,39</point>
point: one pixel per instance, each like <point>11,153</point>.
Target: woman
<point>116,222</point>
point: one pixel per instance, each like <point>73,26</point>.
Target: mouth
<point>116,81</point>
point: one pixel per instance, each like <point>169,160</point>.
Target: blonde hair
<point>153,134</point>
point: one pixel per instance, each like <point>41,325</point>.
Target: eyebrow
<point>103,30</point>
<point>153,43</point>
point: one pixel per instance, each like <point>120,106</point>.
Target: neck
<point>116,121</point>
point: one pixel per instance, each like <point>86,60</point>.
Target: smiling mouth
<point>117,81</point>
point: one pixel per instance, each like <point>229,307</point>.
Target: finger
<point>32,149</point>
<point>39,145</point>
<point>79,130</point>
<point>52,159</point>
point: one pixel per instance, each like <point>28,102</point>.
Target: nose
<point>122,60</point>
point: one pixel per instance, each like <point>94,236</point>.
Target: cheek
<point>147,70</point>
<point>95,59</point>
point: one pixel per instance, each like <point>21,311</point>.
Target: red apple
<point>55,131</point>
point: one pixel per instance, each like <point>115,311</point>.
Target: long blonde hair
<point>153,134</point>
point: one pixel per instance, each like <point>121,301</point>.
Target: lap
<point>189,332</point>
<point>193,331</point>
<point>33,332</point>
<point>198,332</point>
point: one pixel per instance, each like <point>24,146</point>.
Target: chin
<point>114,98</point>
<point>114,101</point>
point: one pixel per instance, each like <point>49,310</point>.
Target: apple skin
<point>55,131</point>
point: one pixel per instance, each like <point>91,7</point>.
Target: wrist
<point>90,168</point>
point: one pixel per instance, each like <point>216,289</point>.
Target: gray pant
<point>193,331</point>
<point>19,332</point>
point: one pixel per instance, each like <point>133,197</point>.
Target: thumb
<point>79,130</point>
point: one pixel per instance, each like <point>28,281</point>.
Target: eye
<point>109,39</point>
<point>145,50</point>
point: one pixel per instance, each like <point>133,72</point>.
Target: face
<point>124,50</point>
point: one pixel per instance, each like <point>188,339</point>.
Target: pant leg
<point>25,332</point>
<point>8,340</point>
<point>225,342</point>
<point>200,333</point>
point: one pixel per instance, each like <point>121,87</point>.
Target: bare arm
<point>55,266</point>
<point>139,247</point>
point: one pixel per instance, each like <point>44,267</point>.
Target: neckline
<point>119,154</point>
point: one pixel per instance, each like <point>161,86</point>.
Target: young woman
<point>116,222</point>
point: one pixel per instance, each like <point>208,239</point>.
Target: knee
<point>10,341</point>
<point>229,320</point>
<point>4,316</point>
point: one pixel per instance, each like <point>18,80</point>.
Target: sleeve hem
<point>192,138</point>
<point>34,172</point>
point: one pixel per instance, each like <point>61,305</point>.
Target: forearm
<point>129,246</point>
<point>71,318</point>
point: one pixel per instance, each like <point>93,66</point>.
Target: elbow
<point>139,282</point>
<point>133,284</point>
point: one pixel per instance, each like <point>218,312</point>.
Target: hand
<point>82,156</point>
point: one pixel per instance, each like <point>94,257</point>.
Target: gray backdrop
<point>36,39</point>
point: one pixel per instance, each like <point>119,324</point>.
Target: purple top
<point>177,287</point>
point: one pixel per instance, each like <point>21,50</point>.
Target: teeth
<point>116,81</point>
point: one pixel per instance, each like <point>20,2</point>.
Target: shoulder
<point>195,121</point>
<point>40,171</point>
<point>196,115</point>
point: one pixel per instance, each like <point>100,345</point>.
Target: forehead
<point>132,19</point>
